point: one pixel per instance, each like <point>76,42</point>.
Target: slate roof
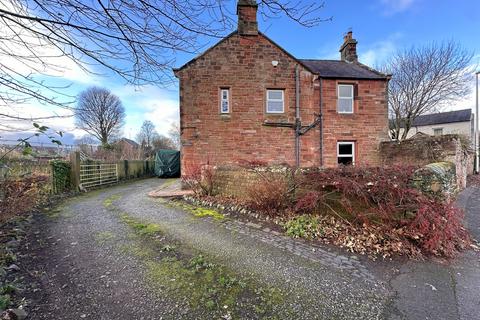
<point>339,69</point>
<point>443,117</point>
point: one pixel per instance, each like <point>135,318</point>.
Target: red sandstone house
<point>247,99</point>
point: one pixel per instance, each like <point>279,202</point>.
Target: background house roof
<point>131,142</point>
<point>443,117</point>
<point>342,70</point>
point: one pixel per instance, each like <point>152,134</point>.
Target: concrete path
<point>79,267</point>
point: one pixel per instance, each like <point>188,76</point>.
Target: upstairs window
<point>437,131</point>
<point>225,100</point>
<point>345,98</point>
<point>275,101</point>
<point>346,153</point>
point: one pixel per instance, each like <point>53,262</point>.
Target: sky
<point>381,27</point>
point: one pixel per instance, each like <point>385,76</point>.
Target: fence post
<point>75,172</point>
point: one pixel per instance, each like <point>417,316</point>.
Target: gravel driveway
<point>117,254</point>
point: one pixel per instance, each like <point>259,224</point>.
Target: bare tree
<point>147,133</point>
<point>100,113</point>
<point>424,80</point>
<point>174,134</point>
<point>162,142</point>
<point>137,40</point>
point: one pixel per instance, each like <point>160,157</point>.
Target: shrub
<point>372,194</point>
<point>437,228</point>
<point>20,195</point>
<point>200,179</point>
<point>61,175</point>
<point>270,194</point>
<point>384,198</point>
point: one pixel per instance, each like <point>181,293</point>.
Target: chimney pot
<point>348,50</point>
<point>247,17</point>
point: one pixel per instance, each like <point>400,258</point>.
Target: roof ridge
<point>372,69</point>
<point>443,112</point>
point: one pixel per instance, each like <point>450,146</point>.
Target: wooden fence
<point>90,174</point>
<point>76,174</point>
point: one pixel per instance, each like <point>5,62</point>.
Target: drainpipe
<point>321,122</point>
<point>297,117</point>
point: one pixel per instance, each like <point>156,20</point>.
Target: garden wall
<point>424,149</point>
<point>130,169</point>
<point>233,181</point>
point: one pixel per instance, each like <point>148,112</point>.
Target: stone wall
<point>423,150</point>
<point>233,181</point>
<point>438,178</point>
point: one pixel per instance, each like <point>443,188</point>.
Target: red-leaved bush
<point>437,228</point>
<point>363,193</point>
<point>384,197</point>
<point>270,194</point>
<point>200,179</point>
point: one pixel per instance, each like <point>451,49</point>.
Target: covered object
<point>167,164</point>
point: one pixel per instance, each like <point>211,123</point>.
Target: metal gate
<point>98,174</point>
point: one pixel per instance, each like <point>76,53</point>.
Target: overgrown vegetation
<point>200,179</point>
<point>60,175</point>
<point>372,210</point>
<point>384,199</point>
<point>19,195</point>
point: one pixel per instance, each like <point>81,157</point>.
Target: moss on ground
<point>104,236</point>
<point>209,288</point>
<point>108,202</point>
<point>198,212</point>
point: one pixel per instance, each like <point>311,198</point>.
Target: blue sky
<point>380,26</point>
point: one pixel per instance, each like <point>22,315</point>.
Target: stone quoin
<point>247,99</point>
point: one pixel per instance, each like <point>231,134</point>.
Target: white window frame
<point>222,100</point>
<point>343,143</point>
<point>345,98</point>
<point>276,100</point>
<point>441,131</point>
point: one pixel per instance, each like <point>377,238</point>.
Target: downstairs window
<point>346,153</point>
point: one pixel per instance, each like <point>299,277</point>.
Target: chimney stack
<point>348,50</point>
<point>247,17</point>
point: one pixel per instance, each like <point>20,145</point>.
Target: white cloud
<point>378,52</point>
<point>161,106</point>
<point>12,129</point>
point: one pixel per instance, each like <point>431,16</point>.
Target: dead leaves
<point>369,240</point>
